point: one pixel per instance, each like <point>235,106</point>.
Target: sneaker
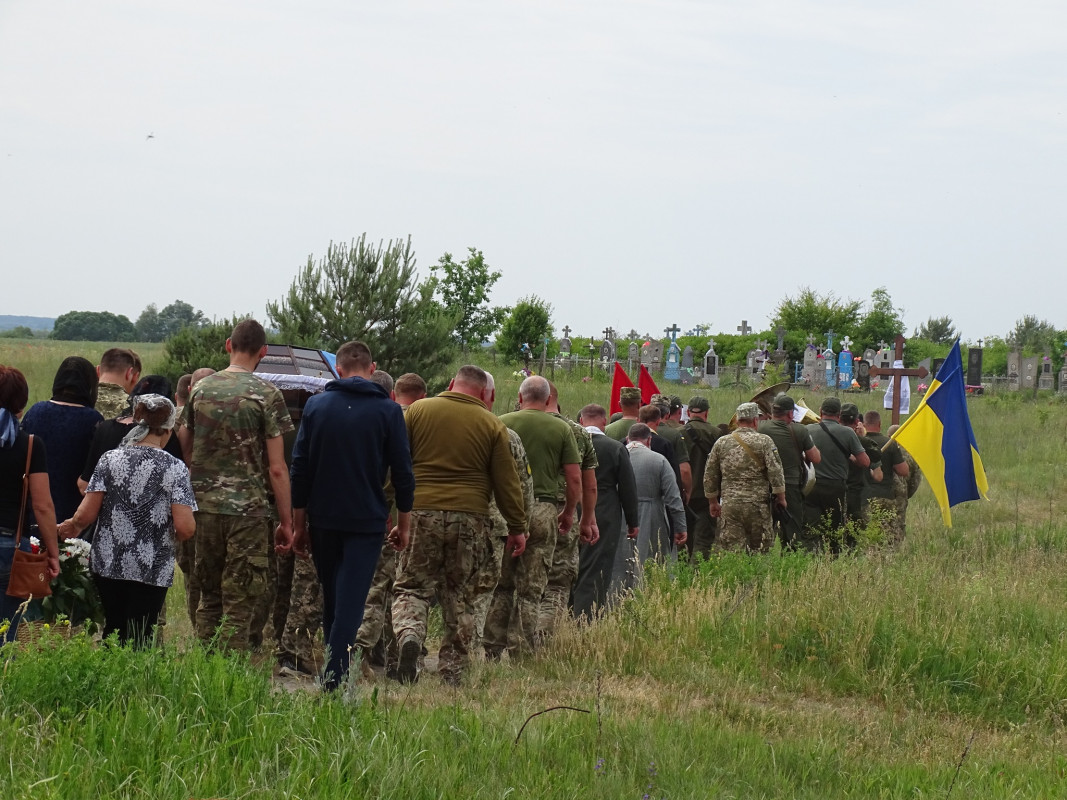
<point>408,669</point>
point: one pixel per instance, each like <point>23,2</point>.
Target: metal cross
<point>846,343</point>
<point>566,331</point>
<point>743,327</point>
<point>608,332</point>
<point>699,329</point>
<point>672,331</point>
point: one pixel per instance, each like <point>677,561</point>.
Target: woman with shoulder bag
<point>15,451</point>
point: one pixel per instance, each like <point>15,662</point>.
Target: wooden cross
<point>566,331</point>
<point>672,331</point>
<point>743,327</point>
<point>781,332</point>
<point>898,373</point>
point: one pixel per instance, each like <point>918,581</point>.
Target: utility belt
<point>552,500</point>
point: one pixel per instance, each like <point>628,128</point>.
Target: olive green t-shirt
<point>549,445</point>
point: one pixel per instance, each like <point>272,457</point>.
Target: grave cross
<point>780,331</point>
<point>632,334</point>
<point>566,331</point>
<point>608,333</point>
<point>882,345</point>
<point>699,329</point>
<point>846,343</point>
<point>711,344</point>
<point>898,373</point>
<point>830,339</point>
<point>811,339</point>
<point>672,331</point>
<point>979,343</point>
<point>743,327</point>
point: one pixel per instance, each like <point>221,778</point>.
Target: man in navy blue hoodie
<point>350,437</point>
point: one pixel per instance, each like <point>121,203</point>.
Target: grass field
<point>938,671</point>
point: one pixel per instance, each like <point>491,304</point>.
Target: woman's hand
<point>67,530</point>
<point>53,567</point>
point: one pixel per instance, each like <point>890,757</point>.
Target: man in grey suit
<point>616,491</point>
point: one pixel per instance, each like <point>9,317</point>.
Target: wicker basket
<point>32,632</point>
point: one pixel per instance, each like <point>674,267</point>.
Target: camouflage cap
<point>698,404</point>
<point>660,400</point>
<point>748,411</point>
<point>630,393</point>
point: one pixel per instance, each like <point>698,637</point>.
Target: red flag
<point>648,386</point>
<point>617,382</point>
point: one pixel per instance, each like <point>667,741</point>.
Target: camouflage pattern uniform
<point>744,482</point>
<point>378,610</point>
<point>563,570</point>
<point>498,530</point>
<point>231,415</point>
<point>905,488</point>
<point>883,495</point>
<point>302,631</point>
<point>111,400</point>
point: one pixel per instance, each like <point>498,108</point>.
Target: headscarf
<point>141,427</point>
<point>9,428</point>
<point>75,382</point>
<point>149,384</point>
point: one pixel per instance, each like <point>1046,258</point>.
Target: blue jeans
<point>345,563</point>
<point>9,606</point>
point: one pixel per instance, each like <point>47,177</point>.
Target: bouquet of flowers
<point>73,595</point>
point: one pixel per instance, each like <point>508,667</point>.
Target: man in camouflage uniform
<point>905,488</point>
<point>461,456</point>
<point>563,570</point>
<point>743,470</point>
<point>700,436</point>
<point>881,493</point>
<point>231,435</point>
<point>515,611</point>
<point>375,638</point>
<point>670,428</point>
<point>119,370</point>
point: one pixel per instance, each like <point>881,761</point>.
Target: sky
<point>635,164</point>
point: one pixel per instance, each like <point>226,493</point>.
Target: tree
<point>149,326</point>
<point>196,346</point>
<point>18,332</point>
<point>93,326</point>
<point>154,325</point>
<point>528,324</point>
<point>938,330</point>
<point>371,294</point>
<point>1034,336</point>
<point>464,291</point>
<point>882,322</point>
<point>812,313</point>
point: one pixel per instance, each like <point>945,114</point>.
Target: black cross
<point>566,331</point>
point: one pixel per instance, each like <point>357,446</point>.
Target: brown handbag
<point>29,571</point>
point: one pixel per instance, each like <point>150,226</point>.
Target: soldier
<point>905,488</point>
<point>824,507</point>
<point>700,437</point>
<point>375,637</point>
<point>857,475</point>
<point>563,570</point>
<point>743,470</point>
<point>119,370</point>
<point>671,429</point>
<point>795,447</point>
<point>630,402</point>
<point>550,448</point>
<point>460,454</point>
<point>616,491</point>
<point>231,435</point>
<point>881,493</point>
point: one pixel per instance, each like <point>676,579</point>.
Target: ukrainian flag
<point>939,436</point>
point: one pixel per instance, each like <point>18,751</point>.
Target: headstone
<point>869,354</point>
<point>634,354</point>
<point>1014,371</point>
<point>974,366</point>
<point>674,355</point>
<point>646,354</point>
<point>711,367</point>
<point>818,373</point>
<point>750,360</point>
<point>1029,372</point>
<point>883,359</point>
<point>807,373</point>
<point>743,328</point>
<point>1044,378</point>
<point>863,373</point>
<point>607,351</point>
<point>687,358</point>
<point>935,367</point>
<point>844,365</point>
<point>829,365</point>
<point>657,356</point>
<point>565,342</point>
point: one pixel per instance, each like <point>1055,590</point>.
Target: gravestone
<point>565,342</point>
<point>711,367</point>
<point>863,374</point>
<point>974,366</point>
<point>1044,377</point>
<point>869,354</point>
<point>1028,374</point>
<point>844,365</point>
<point>674,354</point>
<point>634,355</point>
<point>883,359</point>
<point>750,360</point>
<point>657,356</point>
<point>607,351</point>
<point>818,373</point>
<point>829,366</point>
<point>807,373</point>
<point>1014,371</point>
<point>646,354</point>
<point>687,358</point>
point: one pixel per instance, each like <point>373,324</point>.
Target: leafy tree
<point>149,326</point>
<point>1031,335</point>
<point>196,346</point>
<point>18,332</point>
<point>528,324</point>
<point>93,326</point>
<point>938,330</point>
<point>154,325</point>
<point>813,313</point>
<point>464,291</point>
<point>359,291</point>
<point>881,322</point>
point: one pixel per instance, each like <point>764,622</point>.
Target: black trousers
<point>131,608</point>
<point>824,512</point>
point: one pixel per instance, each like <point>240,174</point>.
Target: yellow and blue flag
<point>939,437</point>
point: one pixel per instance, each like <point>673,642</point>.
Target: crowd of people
<point>351,511</point>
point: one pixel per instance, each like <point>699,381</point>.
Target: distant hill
<point>9,321</point>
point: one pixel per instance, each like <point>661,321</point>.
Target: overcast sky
<point>636,164</point>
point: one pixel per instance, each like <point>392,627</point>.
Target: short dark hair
<point>872,418</point>
<point>383,379</point>
<point>592,411</point>
<point>354,357</point>
<point>152,384</point>
<point>639,431</point>
<point>409,384</point>
<point>119,359</point>
<point>185,383</point>
<point>248,337</point>
<point>14,391</point>
<point>650,413</point>
<point>472,375</point>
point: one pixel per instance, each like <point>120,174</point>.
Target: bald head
<point>534,393</point>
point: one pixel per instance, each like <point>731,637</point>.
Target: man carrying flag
<point>939,437</point>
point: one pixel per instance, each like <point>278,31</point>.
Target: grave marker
<point>899,375</point>
<point>711,367</point>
